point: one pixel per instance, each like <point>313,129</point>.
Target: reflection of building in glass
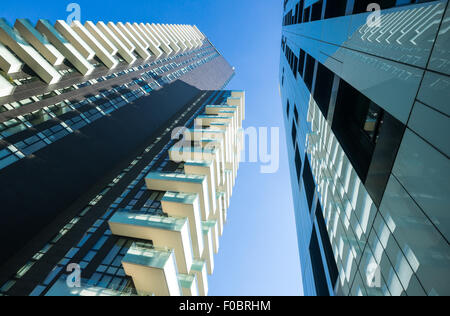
<point>367,109</point>
<point>89,169</point>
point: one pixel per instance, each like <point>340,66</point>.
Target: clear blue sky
<point>258,254</point>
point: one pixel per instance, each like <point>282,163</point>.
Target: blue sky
<point>258,254</point>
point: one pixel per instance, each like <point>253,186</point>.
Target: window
<point>298,163</point>
<point>323,88</point>
<point>294,134</point>
<point>301,62</point>
<point>326,244</point>
<point>288,106</point>
<point>320,280</point>
<point>308,181</point>
<point>295,113</point>
<point>309,71</point>
<point>369,136</point>
<point>306,14</point>
<point>335,8</point>
<point>316,12</point>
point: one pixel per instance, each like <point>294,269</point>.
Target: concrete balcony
<point>164,43</point>
<point>208,169</point>
<point>76,41</point>
<point>169,232</point>
<point>65,48</point>
<point>5,87</point>
<point>11,38</point>
<point>199,268</point>
<point>153,44</point>
<point>167,38</point>
<point>220,212</point>
<point>101,38</point>
<point>214,226</point>
<point>186,205</point>
<point>189,285</point>
<point>8,62</point>
<point>105,57</point>
<point>130,35</point>
<point>208,252</point>
<point>39,42</point>
<point>181,183</point>
<point>124,51</point>
<point>153,270</point>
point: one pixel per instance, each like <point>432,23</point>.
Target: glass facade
<point>368,158</point>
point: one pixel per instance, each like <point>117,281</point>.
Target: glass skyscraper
<point>366,103</point>
<point>118,156</point>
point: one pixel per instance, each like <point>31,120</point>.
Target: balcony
<point>186,205</point>
<point>153,270</point>
<point>169,232</point>
<point>181,183</point>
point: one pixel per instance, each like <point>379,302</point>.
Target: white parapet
<point>79,44</point>
<point>172,41</point>
<point>8,62</point>
<point>124,51</point>
<point>106,58</point>
<point>6,88</point>
<point>153,44</point>
<point>181,183</point>
<point>121,36</point>
<point>162,231</point>
<point>196,42</point>
<point>200,34</point>
<point>189,284</point>
<point>199,268</point>
<point>65,47</point>
<point>11,38</point>
<point>194,35</point>
<point>208,252</point>
<point>176,38</point>
<point>137,35</point>
<point>208,169</point>
<point>101,38</point>
<point>153,271</point>
<point>181,36</point>
<point>165,44</point>
<point>39,42</point>
<point>140,49</point>
<point>186,205</point>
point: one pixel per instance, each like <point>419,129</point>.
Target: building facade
<point>365,97</point>
<point>118,157</point>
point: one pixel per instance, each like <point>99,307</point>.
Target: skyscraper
<point>365,97</point>
<point>118,157</point>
